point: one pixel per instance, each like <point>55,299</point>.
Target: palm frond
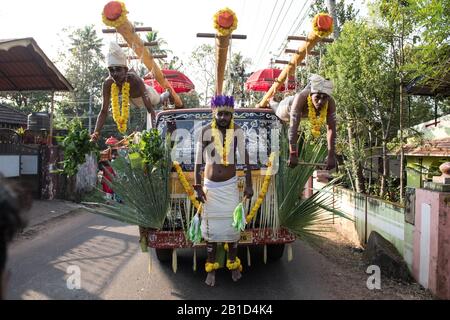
<point>305,217</point>
<point>143,189</point>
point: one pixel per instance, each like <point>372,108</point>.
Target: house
<point>426,153</point>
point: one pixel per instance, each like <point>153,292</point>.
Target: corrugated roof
<point>11,116</point>
<point>25,67</point>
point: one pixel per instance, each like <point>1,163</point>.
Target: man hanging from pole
<point>132,89</point>
<point>315,103</point>
<point>216,147</point>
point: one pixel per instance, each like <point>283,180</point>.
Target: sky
<point>266,23</point>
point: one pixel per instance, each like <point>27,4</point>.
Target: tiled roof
<point>436,148</point>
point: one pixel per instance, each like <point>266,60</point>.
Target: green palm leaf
<point>144,190</point>
<point>306,218</point>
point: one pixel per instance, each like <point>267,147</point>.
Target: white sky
<point>265,22</point>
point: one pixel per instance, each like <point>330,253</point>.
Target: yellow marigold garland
<point>225,31</point>
<point>187,187</point>
<point>209,267</point>
<point>121,118</point>
<point>264,189</point>
<point>218,142</point>
<point>319,33</point>
<point>316,122</point>
<point>119,21</point>
<point>234,265</point>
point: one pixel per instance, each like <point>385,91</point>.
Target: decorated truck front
<point>262,130</point>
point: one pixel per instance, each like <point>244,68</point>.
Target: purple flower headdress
<point>222,103</point>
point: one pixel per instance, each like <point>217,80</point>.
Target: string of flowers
<point>209,266</point>
<point>264,188</point>
<point>119,21</point>
<point>234,265</point>
<point>223,152</point>
<point>187,187</point>
<point>221,31</point>
<point>121,118</point>
<point>316,122</point>
<point>316,28</point>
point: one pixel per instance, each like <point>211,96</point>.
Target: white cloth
<point>283,109</point>
<point>320,84</point>
<point>217,215</point>
<point>116,56</point>
<point>151,93</point>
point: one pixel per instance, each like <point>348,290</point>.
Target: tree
<point>366,91</point>
<point>238,75</point>
<point>84,67</point>
<point>202,65</point>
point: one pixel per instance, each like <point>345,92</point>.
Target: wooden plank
<point>302,38</point>
<point>137,29</point>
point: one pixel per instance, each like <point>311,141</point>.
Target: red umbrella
<point>262,80</point>
<point>179,82</point>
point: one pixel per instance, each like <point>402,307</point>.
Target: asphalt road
<point>112,267</point>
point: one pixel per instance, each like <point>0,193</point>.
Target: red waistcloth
<point>107,173</point>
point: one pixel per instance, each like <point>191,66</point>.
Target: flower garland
<point>316,122</point>
<point>264,189</point>
<point>121,119</point>
<point>234,265</point>
<point>321,33</point>
<point>228,139</point>
<point>209,267</point>
<point>225,31</point>
<point>187,187</point>
<point>119,21</point>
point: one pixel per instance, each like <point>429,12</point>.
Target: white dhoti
<point>151,93</point>
<point>217,216</point>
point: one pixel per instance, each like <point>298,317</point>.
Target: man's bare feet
<point>236,274</point>
<point>211,279</point>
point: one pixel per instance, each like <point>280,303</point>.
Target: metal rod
<point>311,53</point>
<point>213,35</point>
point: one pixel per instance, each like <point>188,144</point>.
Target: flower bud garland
<point>264,189</point>
<point>121,119</point>
<point>316,122</point>
<point>223,152</point>
<point>119,21</point>
<point>187,187</point>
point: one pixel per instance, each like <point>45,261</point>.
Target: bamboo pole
<point>225,22</point>
<point>322,26</point>
<point>114,15</point>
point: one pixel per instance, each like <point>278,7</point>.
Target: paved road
<point>112,267</point>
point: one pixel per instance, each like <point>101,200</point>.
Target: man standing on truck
<point>130,87</point>
<point>216,147</point>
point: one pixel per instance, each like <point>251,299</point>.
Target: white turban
<point>320,84</point>
<point>115,56</point>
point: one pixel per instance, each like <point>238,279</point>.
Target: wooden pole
<point>222,45</point>
<point>52,109</point>
<point>113,12</point>
<point>324,22</point>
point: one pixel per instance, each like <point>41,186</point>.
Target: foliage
<point>145,193</point>
<point>151,147</point>
<point>82,60</point>
<point>303,216</point>
<point>75,146</point>
<point>237,77</point>
<point>202,66</point>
